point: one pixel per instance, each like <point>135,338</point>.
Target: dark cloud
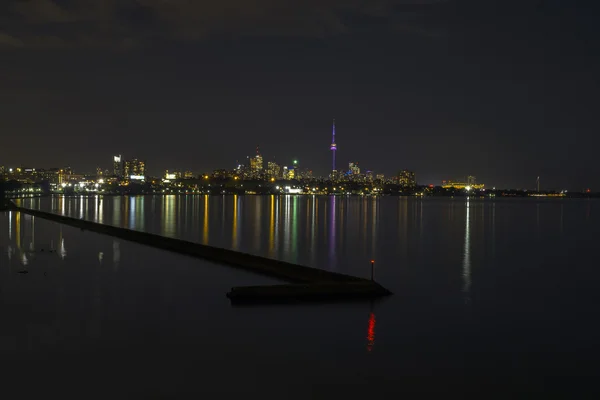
<point>125,23</point>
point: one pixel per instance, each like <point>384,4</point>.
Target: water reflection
<point>374,226</point>
<point>81,207</point>
<point>467,252</point>
<point>132,213</point>
<point>272,226</point>
<point>236,216</point>
<point>333,232</point>
<point>313,229</point>
<point>63,249</point>
<point>371,332</point>
<point>332,228</point>
<point>25,244</point>
<point>205,221</point>
<point>116,254</point>
<point>168,212</point>
<point>116,209</point>
<point>294,223</point>
<point>257,224</point>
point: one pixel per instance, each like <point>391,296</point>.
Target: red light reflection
<point>371,332</point>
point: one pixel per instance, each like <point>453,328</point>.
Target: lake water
<point>490,296</point>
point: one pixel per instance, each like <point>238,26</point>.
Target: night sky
<point>503,90</point>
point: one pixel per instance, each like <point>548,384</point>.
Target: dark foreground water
<point>490,297</point>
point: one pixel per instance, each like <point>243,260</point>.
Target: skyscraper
<point>333,149</point>
<point>256,164</point>
<point>273,170</point>
<point>135,167</point>
<point>407,178</point>
<point>354,168</point>
<point>118,166</point>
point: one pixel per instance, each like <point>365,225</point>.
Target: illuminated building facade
<point>170,176</point>
<point>188,175</point>
<point>469,183</point>
<point>407,178</point>
<point>65,175</point>
<point>289,173</point>
<point>353,168</point>
<point>118,166</point>
<point>273,170</point>
<point>223,173</point>
<point>256,165</point>
<point>134,167</point>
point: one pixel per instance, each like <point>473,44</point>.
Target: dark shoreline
<point>570,196</point>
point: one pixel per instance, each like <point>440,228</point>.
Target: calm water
<point>489,296</point>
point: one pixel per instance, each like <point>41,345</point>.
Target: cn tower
<point>333,147</point>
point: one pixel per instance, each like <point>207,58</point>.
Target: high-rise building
<point>188,175</point>
<point>273,170</point>
<point>354,168</point>
<point>407,178</point>
<point>135,167</point>
<point>256,164</point>
<point>303,173</point>
<point>118,166</point>
<point>288,173</point>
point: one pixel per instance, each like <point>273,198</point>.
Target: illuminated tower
<point>333,148</point>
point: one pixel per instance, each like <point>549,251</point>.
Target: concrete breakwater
<point>261,265</point>
<point>319,291</point>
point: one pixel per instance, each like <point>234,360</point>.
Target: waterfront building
<point>469,183</point>
<point>118,166</point>
<point>353,168</point>
<point>407,178</point>
<point>134,167</point>
<point>256,165</point>
<point>273,170</point>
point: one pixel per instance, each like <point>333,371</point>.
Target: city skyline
<point>436,86</point>
<point>124,167</point>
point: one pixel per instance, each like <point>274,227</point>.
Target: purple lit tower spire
<point>333,146</point>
